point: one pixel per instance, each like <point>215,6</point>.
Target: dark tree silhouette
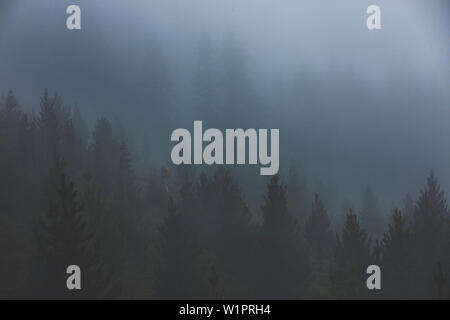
<point>179,276</point>
<point>104,228</point>
<point>211,244</point>
<point>318,230</point>
<point>225,223</point>
<point>284,264</point>
<point>396,258</point>
<point>53,116</point>
<point>429,234</point>
<point>62,240</point>
<point>351,258</point>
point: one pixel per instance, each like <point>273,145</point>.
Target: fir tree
<point>396,258</point>
<point>16,161</point>
<point>431,212</point>
<point>104,227</point>
<point>318,231</point>
<point>179,276</point>
<point>51,121</point>
<point>128,211</point>
<point>11,103</point>
<point>225,223</point>
<point>351,258</point>
<point>429,233</point>
<point>62,240</point>
<point>284,265</point>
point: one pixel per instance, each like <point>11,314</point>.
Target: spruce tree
<point>129,213</point>
<point>11,102</point>
<point>179,276</point>
<point>224,224</point>
<point>351,258</point>
<point>16,161</point>
<point>284,265</point>
<point>62,240</point>
<point>431,212</point>
<point>227,215</point>
<point>104,227</point>
<point>51,121</point>
<point>429,230</point>
<point>396,258</point>
<point>318,231</point>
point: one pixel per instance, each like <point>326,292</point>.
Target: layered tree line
<point>71,196</point>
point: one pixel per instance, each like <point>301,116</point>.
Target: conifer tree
<point>429,231</point>
<point>225,222</point>
<point>222,198</point>
<point>431,212</point>
<point>128,212</point>
<point>62,240</point>
<point>351,258</point>
<point>318,231</point>
<point>284,265</point>
<point>396,258</point>
<point>51,121</point>
<point>11,103</point>
<point>104,227</point>
<point>179,276</point>
<point>16,154</point>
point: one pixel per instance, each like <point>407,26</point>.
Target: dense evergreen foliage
<point>71,197</point>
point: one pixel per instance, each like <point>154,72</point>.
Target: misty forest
<point>86,176</point>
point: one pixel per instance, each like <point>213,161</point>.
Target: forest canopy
<point>192,236</point>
